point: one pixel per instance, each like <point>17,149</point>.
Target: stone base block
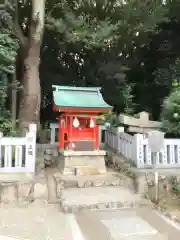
<point>72,162</point>
<point>86,170</point>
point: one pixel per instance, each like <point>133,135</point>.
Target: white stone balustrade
<point>136,149</point>
<point>18,154</point>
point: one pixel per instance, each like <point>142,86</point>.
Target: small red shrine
<point>78,108</point>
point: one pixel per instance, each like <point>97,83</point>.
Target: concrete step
<point>100,180</point>
<point>78,199</point>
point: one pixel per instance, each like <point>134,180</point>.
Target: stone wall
<point>139,180</point>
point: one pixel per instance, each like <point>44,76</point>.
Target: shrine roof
<point>79,97</point>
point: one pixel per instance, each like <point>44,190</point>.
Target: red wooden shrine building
<point>78,109</point>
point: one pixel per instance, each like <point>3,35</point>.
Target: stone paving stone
<point>129,226</point>
<point>126,224</point>
<point>89,196</point>
<point>38,221</point>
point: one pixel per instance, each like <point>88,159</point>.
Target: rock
<point>80,183</point>
<point>128,204</point>
<point>107,182</point>
<point>40,191</point>
<point>112,205</point>
<point>117,182</point>
<point>101,206</point>
<point>59,189</point>
<point>98,183</point>
<point>24,191</point>
<point>74,208</point>
<point>9,192</point>
<point>69,209</point>
<point>65,208</point>
<point>87,183</point>
<point>119,205</point>
<point>83,206</point>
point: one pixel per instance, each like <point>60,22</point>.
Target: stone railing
<point>18,154</point>
<point>136,149</point>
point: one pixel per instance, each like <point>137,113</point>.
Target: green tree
<point>98,43</point>
<point>171,114</point>
<point>87,42</point>
<point>8,53</point>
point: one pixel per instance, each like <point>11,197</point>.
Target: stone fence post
<point>30,160</point>
<point>137,153</point>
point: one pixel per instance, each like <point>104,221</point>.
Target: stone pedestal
<point>82,162</point>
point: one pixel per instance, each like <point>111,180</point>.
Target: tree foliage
<point>171,113</point>
<point>8,51</point>
<point>129,49</point>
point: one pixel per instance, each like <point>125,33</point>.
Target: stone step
<point>78,199</point>
<point>100,180</point>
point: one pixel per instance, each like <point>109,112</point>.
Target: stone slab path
<point>41,221</point>
<point>126,224</point>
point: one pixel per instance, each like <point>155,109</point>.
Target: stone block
<point>90,160</point>
<point>119,205</point>
<point>88,183</point>
<point>80,183</point>
<point>116,182</point>
<point>94,206</point>
<point>24,191</point>
<point>59,193</point>
<point>86,171</point>
<point>98,183</point>
<point>112,205</point>
<point>68,171</point>
<point>65,208</point>
<point>74,208</point>
<point>48,151</point>
<point>9,192</point>
<point>107,183</point>
<point>40,191</point>
<point>69,209</point>
<point>141,184</point>
<point>101,205</point>
<point>83,207</point>
<point>48,157</point>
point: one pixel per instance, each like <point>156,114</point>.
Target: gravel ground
<point>38,221</point>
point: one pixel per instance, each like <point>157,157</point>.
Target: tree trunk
<point>31,93</point>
